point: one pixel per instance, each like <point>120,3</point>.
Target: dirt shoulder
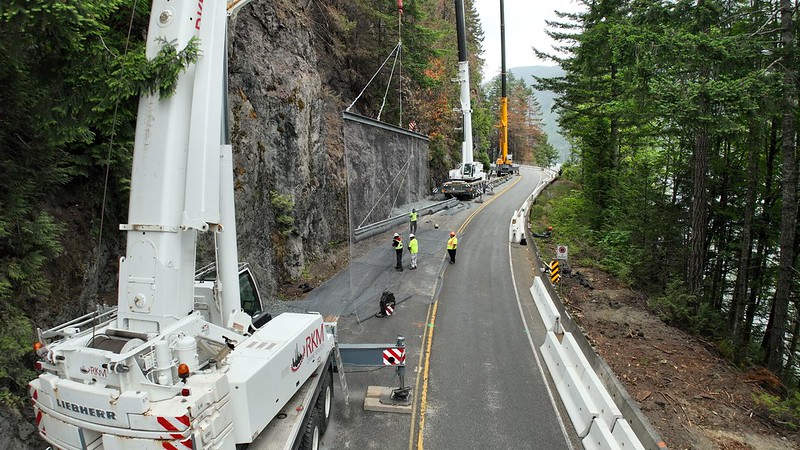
<point>695,399</point>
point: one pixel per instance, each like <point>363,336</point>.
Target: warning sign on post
<point>561,252</point>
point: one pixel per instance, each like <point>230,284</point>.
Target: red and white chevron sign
<point>389,310</point>
<point>176,425</point>
<point>394,356</point>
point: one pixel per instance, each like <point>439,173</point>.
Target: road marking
<point>474,213</point>
<point>533,349</point>
<point>423,360</point>
<point>424,356</point>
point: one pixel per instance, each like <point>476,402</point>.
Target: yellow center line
<point>427,342</point>
<point>422,360</point>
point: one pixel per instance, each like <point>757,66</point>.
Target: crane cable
<point>373,78</point>
<point>403,172</point>
<point>397,52</point>
<point>111,144</point>
<point>389,83</point>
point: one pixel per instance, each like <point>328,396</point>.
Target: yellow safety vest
<point>413,245</point>
<point>452,243</point>
<point>398,245</point>
<point>413,216</point>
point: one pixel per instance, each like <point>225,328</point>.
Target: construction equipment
<point>466,180</point>
<point>504,164</point>
<point>189,358</point>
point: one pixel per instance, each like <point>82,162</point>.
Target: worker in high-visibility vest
<point>412,218</point>
<point>413,248</point>
<point>397,243</point>
<point>452,246</point>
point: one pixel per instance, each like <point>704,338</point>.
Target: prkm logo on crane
<point>312,343</point>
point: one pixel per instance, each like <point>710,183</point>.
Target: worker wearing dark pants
<point>397,243</point>
<point>413,220</point>
<point>452,246</point>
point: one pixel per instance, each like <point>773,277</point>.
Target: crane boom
<point>503,165</point>
<point>463,80</point>
<point>468,170</point>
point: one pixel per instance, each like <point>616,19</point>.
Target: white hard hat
<point>395,235</point>
<point>411,235</point>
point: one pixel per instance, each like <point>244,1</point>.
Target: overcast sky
<point>525,28</point>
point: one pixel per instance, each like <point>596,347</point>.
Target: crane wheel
<point>325,402</point>
<point>312,433</point>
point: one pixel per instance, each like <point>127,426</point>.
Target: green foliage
<point>785,412</point>
<point>484,158</point>
<point>664,103</point>
<point>159,74</point>
<point>16,365</point>
<point>284,208</point>
<point>69,84</point>
<point>674,308</point>
<point>544,154</point>
<point>438,159</point>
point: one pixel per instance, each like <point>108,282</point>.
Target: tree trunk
<point>699,213</point>
<point>793,344</point>
<point>775,344</point>
<point>697,239</point>
<point>765,224</point>
<point>746,243</point>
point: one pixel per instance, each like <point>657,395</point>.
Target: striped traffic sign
<point>394,357</point>
<point>555,272</point>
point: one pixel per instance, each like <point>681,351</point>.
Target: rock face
<point>286,135</point>
<point>387,167</point>
<point>289,145</point>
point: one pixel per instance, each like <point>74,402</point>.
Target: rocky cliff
<point>287,140</point>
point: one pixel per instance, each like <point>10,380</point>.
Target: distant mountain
<point>546,99</point>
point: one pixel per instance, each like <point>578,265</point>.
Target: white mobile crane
<point>468,178</point>
<point>188,359</point>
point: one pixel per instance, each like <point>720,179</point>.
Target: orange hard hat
<point>452,233</point>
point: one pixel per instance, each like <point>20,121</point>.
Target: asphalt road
<point>485,389</point>
<point>471,332</point>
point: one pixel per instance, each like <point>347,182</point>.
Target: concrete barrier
<point>547,309</point>
<point>576,401</point>
<point>625,437</point>
<point>516,227</point>
<point>600,438</point>
<point>575,357</point>
<point>553,356</point>
<point>602,403</point>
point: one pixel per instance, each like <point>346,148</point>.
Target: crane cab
<point>206,299</point>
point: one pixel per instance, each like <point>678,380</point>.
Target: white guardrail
<point>547,309</point>
<point>596,418</point>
